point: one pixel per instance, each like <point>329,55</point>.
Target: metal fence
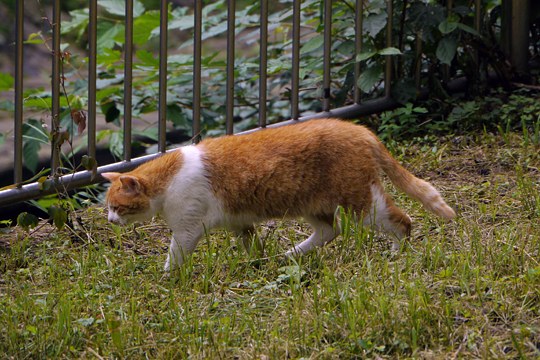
<point>58,182</point>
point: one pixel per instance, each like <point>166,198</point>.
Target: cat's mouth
<point>115,219</point>
<point>118,222</point>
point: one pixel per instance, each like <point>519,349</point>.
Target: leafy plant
<point>401,122</point>
<point>521,112</point>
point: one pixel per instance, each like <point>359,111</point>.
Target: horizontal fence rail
<point>59,180</point>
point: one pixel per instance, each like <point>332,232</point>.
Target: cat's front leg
<point>324,232</point>
<point>172,257</point>
<point>182,246</point>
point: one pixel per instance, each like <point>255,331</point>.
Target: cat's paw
<point>294,253</point>
<point>167,266</point>
<point>171,264</point>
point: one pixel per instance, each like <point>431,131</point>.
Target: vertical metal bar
<point>19,57</point>
<point>55,89</point>
<point>477,27</point>
<point>418,64</point>
<point>295,70</point>
<point>197,59</point>
<point>327,61</point>
<point>359,20</point>
<point>128,78</point>
<point>506,27</point>
<point>263,56</point>
<point>477,14</point>
<point>162,105</point>
<point>401,35</point>
<point>388,70</point>
<point>521,11</point>
<point>92,64</point>
<point>446,67</point>
<point>230,66</point>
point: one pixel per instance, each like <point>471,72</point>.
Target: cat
<point>307,170</point>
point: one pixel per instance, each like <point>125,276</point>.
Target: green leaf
<point>86,321</point>
<point>118,7</point>
<point>182,23</point>
<point>446,27</point>
<point>27,221</point>
<point>102,134</point>
<point>144,27</point>
<point>102,84</point>
<point>312,44</point>
<point>177,116</point>
<point>34,38</point>
<point>31,329</point>
<point>390,51</point>
<point>369,78</point>
<point>374,23</point>
<point>147,58</point>
<point>40,103</point>
<point>151,133</point>
<point>41,180</point>
<point>384,52</point>
<point>43,101</point>
<point>106,93</point>
<point>111,111</point>
<point>34,134</point>
<point>446,50</point>
<point>468,29</point>
<point>365,55</point>
<point>58,215</point>
<point>116,144</point>
<point>215,31</point>
<point>6,82</point>
<point>35,129</point>
<point>90,164</point>
<point>180,59</point>
<point>108,56</point>
<point>107,34</point>
<point>276,65</point>
<point>78,22</point>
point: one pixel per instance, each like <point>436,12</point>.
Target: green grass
<point>466,289</point>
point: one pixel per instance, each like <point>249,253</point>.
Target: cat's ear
<point>130,184</point>
<point>111,176</point>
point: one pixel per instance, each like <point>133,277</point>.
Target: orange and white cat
<point>303,170</point>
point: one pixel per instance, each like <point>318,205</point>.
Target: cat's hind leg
<point>386,216</point>
<point>251,241</point>
<point>324,232</point>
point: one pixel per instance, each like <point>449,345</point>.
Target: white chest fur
<point>189,200</point>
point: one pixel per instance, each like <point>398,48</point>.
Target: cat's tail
<point>416,188</point>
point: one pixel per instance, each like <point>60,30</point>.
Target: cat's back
<point>314,135</point>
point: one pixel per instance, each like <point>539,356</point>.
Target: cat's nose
<point>113,218</point>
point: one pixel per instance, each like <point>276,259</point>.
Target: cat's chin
<point>128,221</point>
<point>138,219</point>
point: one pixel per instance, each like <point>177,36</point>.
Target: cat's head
<point>127,199</point>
